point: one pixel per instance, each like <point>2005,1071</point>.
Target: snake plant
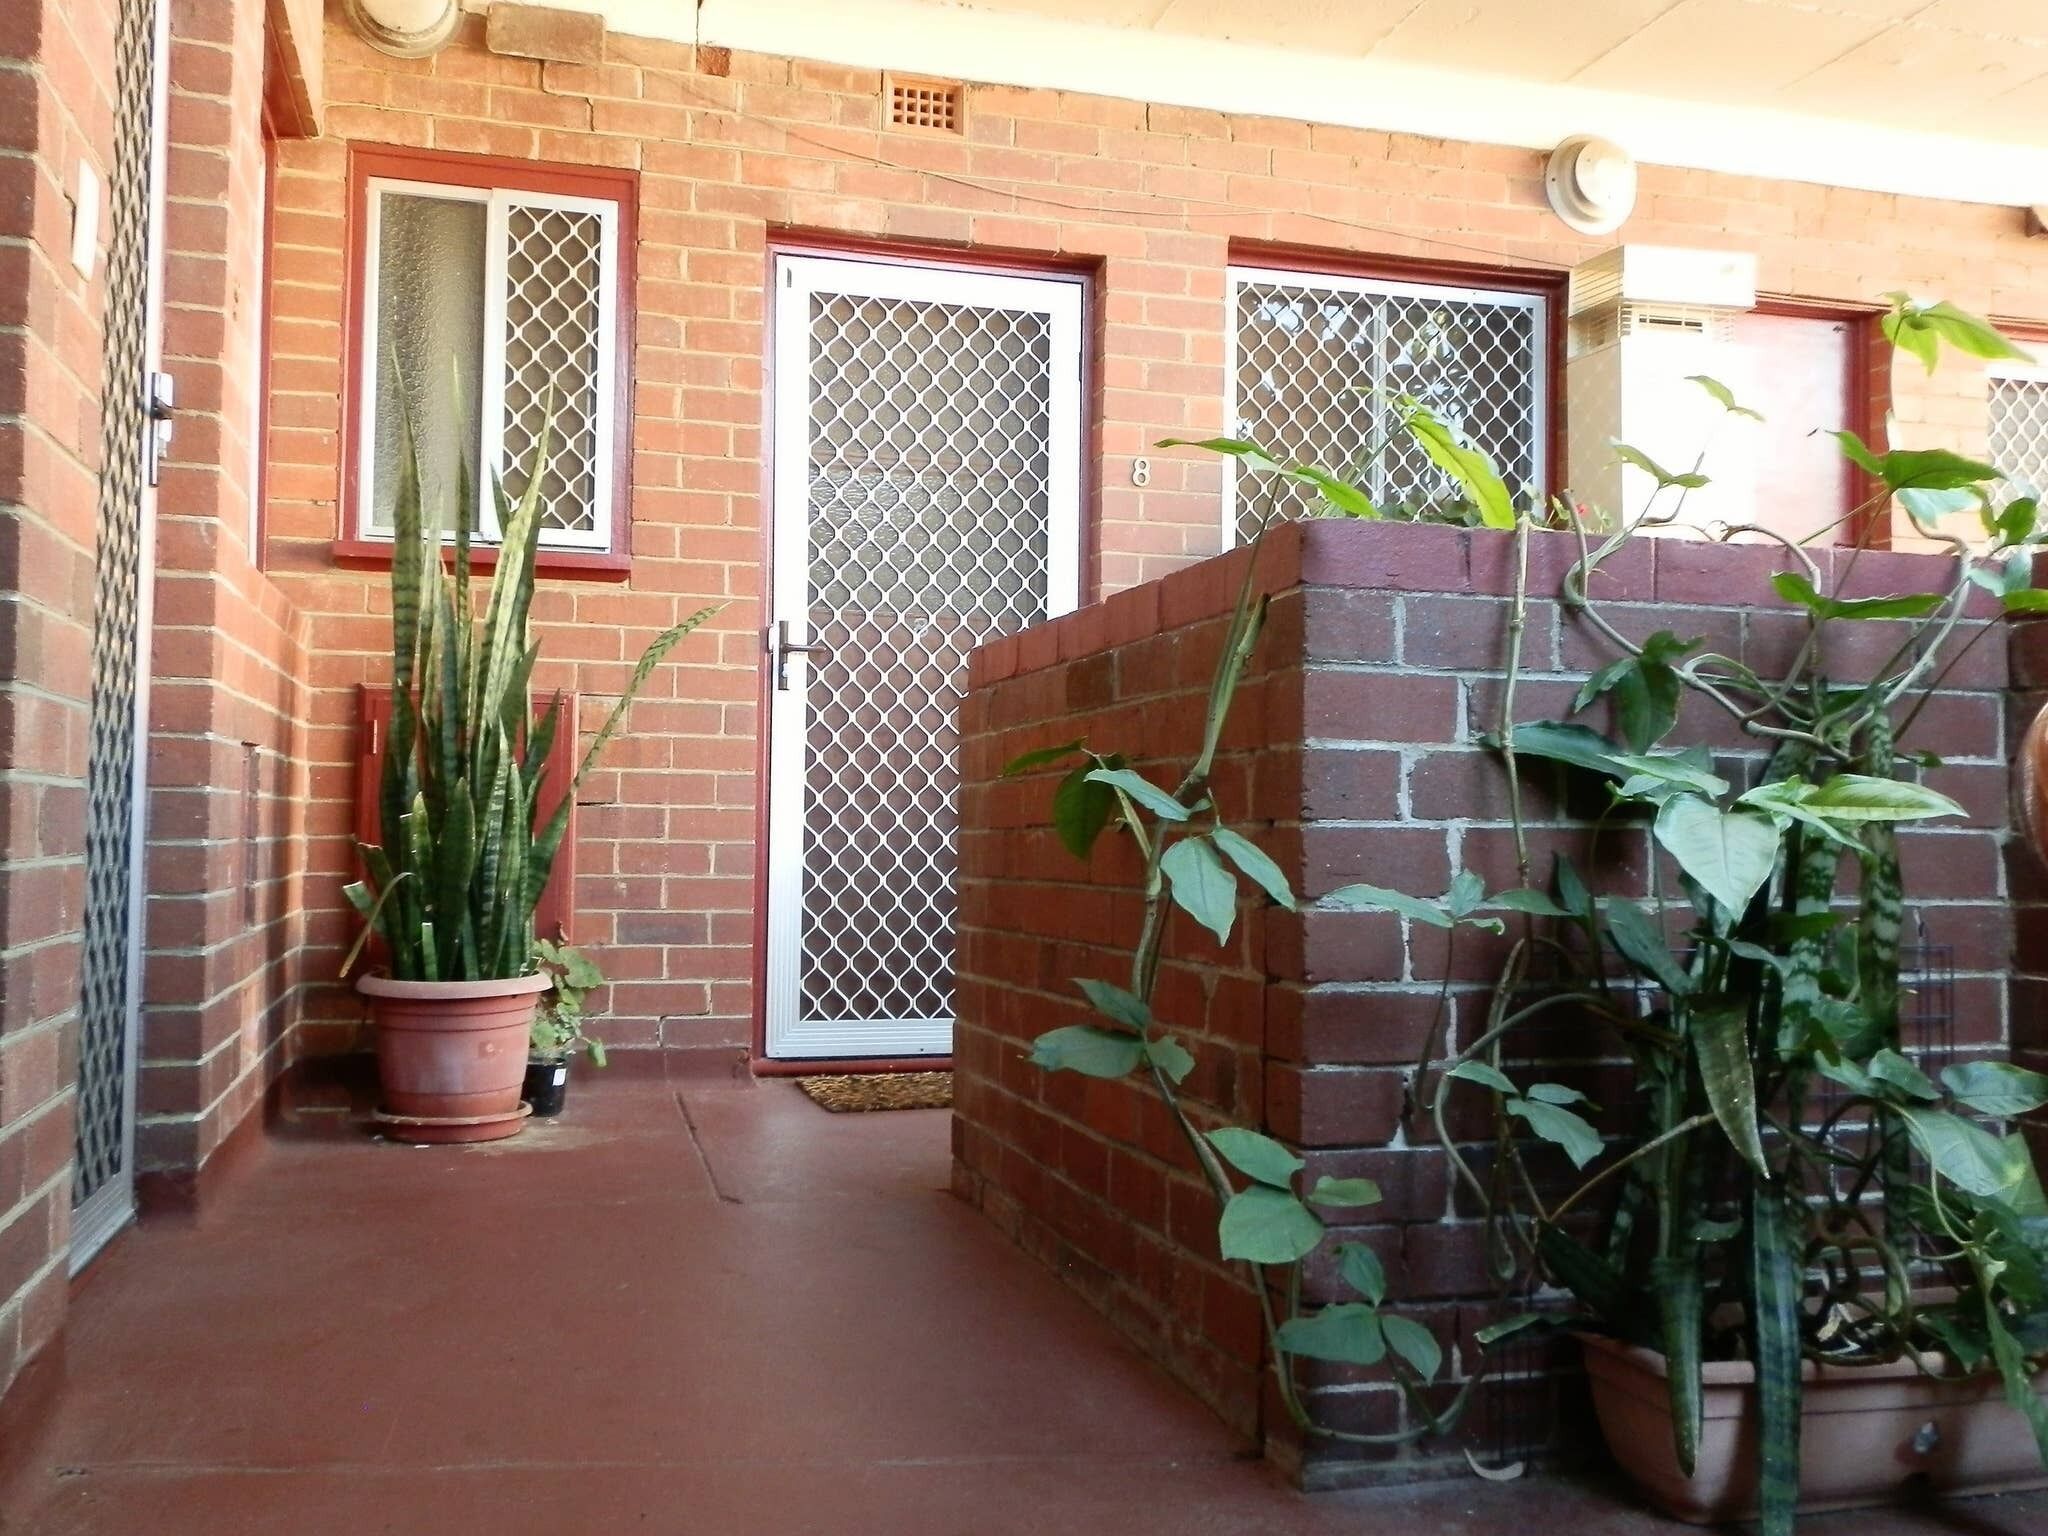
<point>465,849</point>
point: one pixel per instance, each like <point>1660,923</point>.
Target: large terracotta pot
<point>2031,765</point>
<point>1864,1431</point>
<point>451,1055</point>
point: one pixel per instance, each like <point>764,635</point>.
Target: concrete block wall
<point>1356,755</point>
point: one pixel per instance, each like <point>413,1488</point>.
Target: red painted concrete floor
<point>722,1314</point>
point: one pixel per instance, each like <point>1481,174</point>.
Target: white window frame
<point>1537,304</point>
<point>498,203</point>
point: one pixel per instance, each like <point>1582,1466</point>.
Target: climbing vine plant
<point>1784,1178</point>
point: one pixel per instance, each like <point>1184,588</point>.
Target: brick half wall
<point>1354,754</point>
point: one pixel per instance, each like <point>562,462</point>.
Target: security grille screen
<point>2019,435</point>
<point>1320,361</point>
<point>106,1000</point>
<point>929,504</point>
<point>490,306</point>
<point>554,276</point>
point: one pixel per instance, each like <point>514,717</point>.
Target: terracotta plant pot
<point>451,1055</point>
<point>1865,1431</point>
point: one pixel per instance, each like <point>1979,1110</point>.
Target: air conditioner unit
<point>1643,321</point>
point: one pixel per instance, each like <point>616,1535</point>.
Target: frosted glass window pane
<point>430,329</point>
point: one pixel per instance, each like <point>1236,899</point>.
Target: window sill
<point>563,564</point>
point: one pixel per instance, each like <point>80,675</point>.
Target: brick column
<point>1355,754</point>
<point>56,67</point>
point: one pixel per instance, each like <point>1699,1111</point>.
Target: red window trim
<point>445,168</point>
<point>1548,284</point>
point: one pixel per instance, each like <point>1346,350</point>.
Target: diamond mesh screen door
<point>926,499</point>
<point>103,1179</point>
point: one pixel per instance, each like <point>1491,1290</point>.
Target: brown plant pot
<point>1864,1432</point>
<point>452,1052</point>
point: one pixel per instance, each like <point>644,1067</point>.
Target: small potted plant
<point>466,845</point>
<point>558,1025</point>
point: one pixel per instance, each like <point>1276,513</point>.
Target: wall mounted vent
<point>917,101</point>
<point>1645,321</point>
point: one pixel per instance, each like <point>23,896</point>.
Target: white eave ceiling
<point>1935,97</point>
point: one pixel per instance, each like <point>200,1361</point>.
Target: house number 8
<point>1141,472</point>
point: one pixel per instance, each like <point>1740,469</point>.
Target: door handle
<point>781,647</point>
<point>159,398</point>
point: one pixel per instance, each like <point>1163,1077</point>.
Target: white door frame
<point>112,1206</point>
<point>796,278</point>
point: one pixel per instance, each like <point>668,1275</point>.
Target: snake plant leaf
<point>1113,1002</point>
<point>1774,1283</point>
<point>1593,1280</point>
<point>1730,853</point>
<point>1720,1044</point>
<point>1256,1156</point>
<point>1088,1050</point>
<point>1263,1225</point>
<point>1413,1343</point>
<point>1201,885</point>
<point>1346,1333</point>
<point>1681,1306</point>
<point>540,741</point>
<point>455,864</point>
<point>1254,865</point>
<point>1996,1088</point>
<point>656,652</point>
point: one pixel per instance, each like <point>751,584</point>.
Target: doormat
<point>880,1090</point>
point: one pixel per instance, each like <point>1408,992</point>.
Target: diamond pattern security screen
<point>554,337</point>
<point>1318,361</point>
<point>102,1178</point>
<point>937,457</point>
<point>2019,434</point>
<point>482,300</point>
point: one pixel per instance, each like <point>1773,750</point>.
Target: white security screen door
<point>926,499</point>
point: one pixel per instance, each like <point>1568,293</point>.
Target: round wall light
<point>405,29</point>
<point>1591,183</point>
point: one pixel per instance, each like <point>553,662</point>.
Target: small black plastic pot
<point>547,1084</point>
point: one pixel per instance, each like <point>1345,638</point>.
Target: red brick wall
<point>1153,201</point>
<point>54,111</point>
<point>1354,756</point>
<point>227,775</point>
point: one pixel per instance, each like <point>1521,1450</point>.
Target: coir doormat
<point>880,1090</point>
